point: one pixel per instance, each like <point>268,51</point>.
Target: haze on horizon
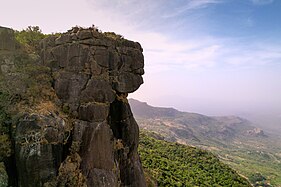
<point>215,57</point>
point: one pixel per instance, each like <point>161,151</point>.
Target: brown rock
<point>102,57</point>
<point>38,148</point>
<point>91,76</point>
<point>68,86</point>
<point>7,39</point>
<point>98,91</point>
<point>84,34</point>
<point>97,153</point>
<point>93,112</point>
<point>124,127</point>
<point>63,39</point>
<point>127,82</point>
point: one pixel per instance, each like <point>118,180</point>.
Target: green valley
<point>236,141</point>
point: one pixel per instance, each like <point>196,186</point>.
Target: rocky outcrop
<point>257,132</point>
<point>89,137</point>
<point>38,148</point>
<point>8,42</point>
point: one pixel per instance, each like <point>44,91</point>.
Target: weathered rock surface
<point>92,140</point>
<point>7,39</point>
<point>38,146</point>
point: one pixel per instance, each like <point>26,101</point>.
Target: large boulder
<point>39,141</point>
<point>89,136</point>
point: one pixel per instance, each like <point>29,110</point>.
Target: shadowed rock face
<point>7,39</point>
<point>96,143</point>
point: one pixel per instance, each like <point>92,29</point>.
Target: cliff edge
<point>70,124</point>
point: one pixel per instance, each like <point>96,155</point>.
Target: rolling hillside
<point>235,140</point>
<point>173,164</point>
<point>193,128</point>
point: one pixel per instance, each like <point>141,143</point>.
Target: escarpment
<point>81,131</point>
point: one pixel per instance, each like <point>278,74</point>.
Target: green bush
<point>172,164</point>
<point>256,177</point>
<point>30,37</point>
<point>3,176</point>
<point>5,143</point>
<point>25,83</point>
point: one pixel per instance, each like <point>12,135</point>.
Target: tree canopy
<point>173,164</point>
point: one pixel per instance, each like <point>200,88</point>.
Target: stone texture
<point>97,153</point>
<point>121,85</point>
<point>119,62</point>
<point>7,40</point>
<point>38,146</point>
<point>93,112</point>
<point>125,128</point>
<point>93,139</point>
<point>98,91</point>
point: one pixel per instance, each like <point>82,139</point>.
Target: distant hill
<point>235,140</point>
<point>191,127</point>
<point>143,110</point>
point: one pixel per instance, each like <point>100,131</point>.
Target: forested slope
<point>173,164</point>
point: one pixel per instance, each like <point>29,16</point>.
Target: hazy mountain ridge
<point>191,126</point>
<point>235,140</point>
<point>143,110</point>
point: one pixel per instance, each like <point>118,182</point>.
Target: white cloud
<point>252,55</point>
<point>192,5</point>
<point>205,53</point>
<point>130,17</point>
<point>262,2</point>
<point>190,54</point>
<point>163,53</point>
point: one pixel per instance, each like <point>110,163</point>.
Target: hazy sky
<point>209,56</point>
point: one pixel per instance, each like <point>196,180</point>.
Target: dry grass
<point>46,107</point>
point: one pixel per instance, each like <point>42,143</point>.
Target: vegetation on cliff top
<point>24,84</point>
<point>172,164</point>
<point>30,38</point>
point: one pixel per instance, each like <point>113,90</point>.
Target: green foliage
<point>113,35</point>
<point>5,143</point>
<point>5,146</point>
<point>3,176</point>
<point>172,164</point>
<point>246,154</point>
<point>249,162</point>
<point>28,80</point>
<point>65,108</point>
<point>23,82</point>
<point>30,37</point>
<point>36,78</point>
<point>257,178</point>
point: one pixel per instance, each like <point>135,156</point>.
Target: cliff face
<point>85,135</point>
<point>7,39</point>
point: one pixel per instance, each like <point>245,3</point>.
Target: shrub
<point>173,164</point>
<point>30,37</point>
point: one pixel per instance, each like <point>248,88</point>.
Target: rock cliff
<point>81,131</point>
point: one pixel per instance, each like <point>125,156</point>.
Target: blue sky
<point>209,56</point>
